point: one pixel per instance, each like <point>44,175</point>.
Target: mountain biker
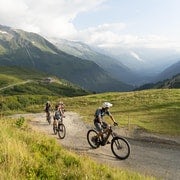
<point>59,113</point>
<point>47,108</point>
<point>99,123</point>
<point>62,106</point>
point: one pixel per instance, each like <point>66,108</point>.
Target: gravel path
<point>150,155</point>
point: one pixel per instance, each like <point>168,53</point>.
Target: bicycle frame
<point>109,132</point>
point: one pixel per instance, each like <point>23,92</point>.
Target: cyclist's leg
<point>55,122</point>
<point>104,125</point>
<point>99,129</point>
<point>47,113</point>
<point>106,129</point>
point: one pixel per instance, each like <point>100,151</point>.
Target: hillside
<point>21,81</point>
<point>169,72</point>
<point>173,82</point>
<point>113,66</point>
<point>20,48</point>
<point>154,110</point>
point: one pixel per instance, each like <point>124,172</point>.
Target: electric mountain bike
<point>120,147</point>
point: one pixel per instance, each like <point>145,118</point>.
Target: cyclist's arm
<point>62,113</point>
<point>112,118</point>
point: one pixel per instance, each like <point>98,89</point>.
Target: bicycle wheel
<point>55,128</point>
<point>93,139</point>
<point>120,147</point>
<point>61,131</point>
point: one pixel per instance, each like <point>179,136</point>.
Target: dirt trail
<point>149,155</point>
<point>12,85</point>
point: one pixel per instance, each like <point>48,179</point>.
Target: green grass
<point>152,110</point>
<point>6,80</point>
<point>35,83</point>
<point>26,154</point>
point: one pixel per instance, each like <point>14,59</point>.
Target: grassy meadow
<point>26,154</point>
<point>155,111</point>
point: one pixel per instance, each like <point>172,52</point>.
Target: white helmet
<point>106,105</point>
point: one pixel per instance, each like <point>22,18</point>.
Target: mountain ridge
<point>173,82</point>
<point>31,50</point>
<point>169,72</point>
<point>111,65</point>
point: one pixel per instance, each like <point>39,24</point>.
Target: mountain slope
<point>173,82</point>
<point>20,48</point>
<point>21,81</point>
<point>169,72</point>
<point>114,67</point>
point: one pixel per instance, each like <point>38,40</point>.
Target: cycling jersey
<point>101,112</point>
<point>58,115</point>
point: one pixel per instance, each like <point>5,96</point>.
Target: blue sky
<point>103,23</point>
<point>141,17</point>
<point>148,15</point>
<point>149,21</point>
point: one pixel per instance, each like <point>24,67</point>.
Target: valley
<point>88,67</point>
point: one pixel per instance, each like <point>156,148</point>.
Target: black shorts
<point>100,127</point>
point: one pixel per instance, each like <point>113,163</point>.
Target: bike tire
<point>120,147</point>
<point>61,131</point>
<point>90,135</point>
<point>55,129</point>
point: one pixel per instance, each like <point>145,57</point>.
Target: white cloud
<point>47,17</point>
<point>55,18</point>
<point>104,36</point>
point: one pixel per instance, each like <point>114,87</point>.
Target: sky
<point>102,23</point>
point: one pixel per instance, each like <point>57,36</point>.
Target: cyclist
<point>47,108</point>
<point>99,123</point>
<point>62,106</point>
<point>59,113</point>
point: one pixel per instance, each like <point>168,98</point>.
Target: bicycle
<point>59,128</point>
<point>120,147</point>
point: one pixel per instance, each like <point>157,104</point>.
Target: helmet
<point>48,102</point>
<point>106,105</point>
<point>60,103</point>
